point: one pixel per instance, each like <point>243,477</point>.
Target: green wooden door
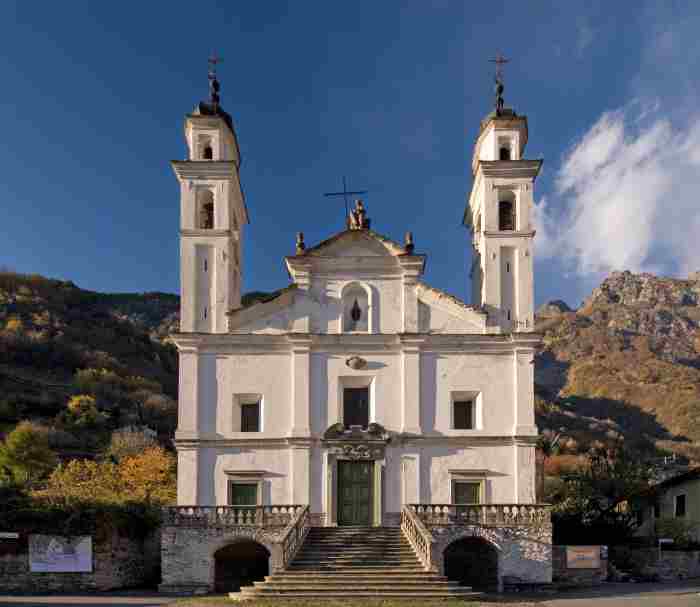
<point>355,493</point>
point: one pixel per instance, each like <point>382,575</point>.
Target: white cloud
<point>627,196</point>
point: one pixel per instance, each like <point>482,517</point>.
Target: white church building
<point>358,395</point>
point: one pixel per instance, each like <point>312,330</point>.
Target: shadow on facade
<point>472,561</point>
<point>240,564</point>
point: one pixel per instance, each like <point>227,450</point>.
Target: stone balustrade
<point>491,515</point>
<point>230,516</point>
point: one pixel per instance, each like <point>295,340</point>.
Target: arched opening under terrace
<point>472,561</point>
<point>240,564</point>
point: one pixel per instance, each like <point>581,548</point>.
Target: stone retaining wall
<point>117,562</point>
<point>645,563</point>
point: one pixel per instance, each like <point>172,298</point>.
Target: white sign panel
<point>583,557</point>
<point>58,554</point>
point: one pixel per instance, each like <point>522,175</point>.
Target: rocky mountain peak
<point>644,289</point>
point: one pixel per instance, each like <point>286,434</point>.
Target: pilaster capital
<point>300,342</point>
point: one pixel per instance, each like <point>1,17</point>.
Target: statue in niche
<point>206,216</point>
<point>355,314</point>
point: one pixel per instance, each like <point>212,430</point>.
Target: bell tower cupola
<point>212,216</point>
<point>499,216</point>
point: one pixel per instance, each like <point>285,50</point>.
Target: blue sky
<point>389,94</point>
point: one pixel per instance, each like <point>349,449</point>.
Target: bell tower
<point>499,215</point>
<point>212,215</point>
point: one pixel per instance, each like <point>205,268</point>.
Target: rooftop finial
<point>500,61</point>
<point>214,85</point>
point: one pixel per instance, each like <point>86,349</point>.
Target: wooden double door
<point>355,492</point>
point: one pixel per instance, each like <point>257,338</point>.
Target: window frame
<point>475,398</point>
<point>246,406</point>
<point>481,484</point>
<point>236,420</point>
<point>233,481</point>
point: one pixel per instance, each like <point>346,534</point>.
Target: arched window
<point>506,211</point>
<point>356,309</point>
<point>205,147</point>
<point>205,210</point>
<point>504,153</point>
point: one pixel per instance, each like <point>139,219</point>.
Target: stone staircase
<point>355,562</point>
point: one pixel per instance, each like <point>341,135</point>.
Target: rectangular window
<point>680,505</point>
<point>463,414</point>
<point>242,494</point>
<point>356,407</point>
<point>250,417</point>
<point>466,492</point>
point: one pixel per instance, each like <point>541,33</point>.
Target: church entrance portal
<point>355,492</point>
<point>240,564</point>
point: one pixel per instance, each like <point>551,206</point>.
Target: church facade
<point>358,390</point>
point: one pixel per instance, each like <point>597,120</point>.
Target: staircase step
<point>343,578</point>
<point>355,562</point>
<point>357,583</point>
<point>347,594</point>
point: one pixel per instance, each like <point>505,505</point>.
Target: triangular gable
<point>356,243</point>
<point>440,312</point>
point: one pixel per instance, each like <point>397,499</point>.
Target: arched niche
<point>506,211</point>
<point>356,308</point>
<point>205,209</point>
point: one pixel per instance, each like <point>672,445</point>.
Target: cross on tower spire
<point>214,85</point>
<point>500,61</point>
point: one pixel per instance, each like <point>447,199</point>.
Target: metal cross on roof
<point>500,61</point>
<point>345,193</point>
<point>213,60</point>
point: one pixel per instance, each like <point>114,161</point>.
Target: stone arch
<point>472,556</point>
<point>357,309</point>
<point>239,561</point>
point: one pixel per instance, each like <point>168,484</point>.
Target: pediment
<point>356,243</point>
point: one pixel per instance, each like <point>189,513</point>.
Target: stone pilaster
<point>300,388</point>
<point>410,384</point>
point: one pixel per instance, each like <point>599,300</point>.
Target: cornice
<point>211,169</point>
<point>207,233</point>
<point>510,169</point>
<point>356,343</point>
<point>510,234</point>
<point>397,440</point>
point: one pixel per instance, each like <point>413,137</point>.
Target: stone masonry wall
<point>187,554</point>
<point>644,562</point>
<point>524,553</point>
<point>118,562</point>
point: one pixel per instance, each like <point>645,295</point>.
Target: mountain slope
<point>628,361</point>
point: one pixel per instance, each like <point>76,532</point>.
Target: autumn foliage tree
<point>25,455</point>
<point>147,478</point>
